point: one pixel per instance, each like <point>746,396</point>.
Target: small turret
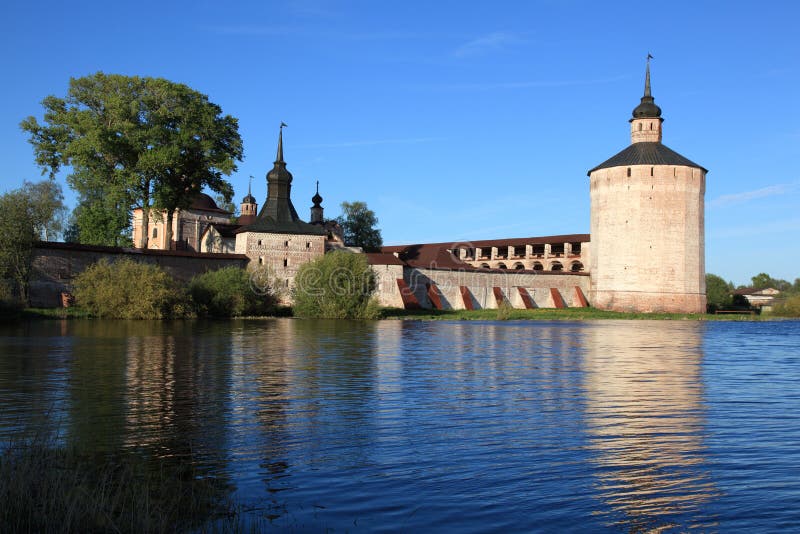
<point>646,121</point>
<point>249,206</point>
<point>317,209</point>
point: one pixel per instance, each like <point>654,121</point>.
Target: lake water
<point>619,426</point>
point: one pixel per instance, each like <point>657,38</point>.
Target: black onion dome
<point>316,199</point>
<point>249,199</point>
<point>647,109</point>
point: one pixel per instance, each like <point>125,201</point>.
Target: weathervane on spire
<point>284,125</point>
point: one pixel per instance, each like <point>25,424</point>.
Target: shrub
<point>126,289</point>
<point>338,285</point>
<point>788,308</point>
<point>230,292</point>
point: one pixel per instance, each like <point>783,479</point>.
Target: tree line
<point>127,142</point>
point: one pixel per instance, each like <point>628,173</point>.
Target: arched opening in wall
<point>485,266</point>
<point>576,267</point>
<point>556,266</point>
<point>640,126</point>
<point>519,266</point>
<point>537,266</point>
<point>155,232</point>
<point>501,266</point>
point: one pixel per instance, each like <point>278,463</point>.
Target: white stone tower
<point>647,223</point>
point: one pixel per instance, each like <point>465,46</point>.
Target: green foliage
<point>229,292</point>
<point>359,226</point>
<point>126,289</point>
<point>788,308</point>
<point>26,215</point>
<point>338,285</point>
<point>719,293</point>
<point>135,141</point>
<point>763,281</point>
<point>100,219</point>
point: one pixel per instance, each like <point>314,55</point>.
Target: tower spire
<point>279,157</point>
<point>647,77</point>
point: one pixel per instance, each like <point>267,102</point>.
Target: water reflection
<point>645,417</point>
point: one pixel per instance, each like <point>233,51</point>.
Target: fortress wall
<point>55,265</point>
<point>481,286</point>
<point>283,254</point>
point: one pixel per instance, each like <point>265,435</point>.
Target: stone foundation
<point>631,301</point>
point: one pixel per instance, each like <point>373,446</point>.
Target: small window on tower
<point>285,243</point>
<point>629,172</point>
<point>155,232</point>
<point>285,262</point>
<point>640,126</point>
<point>308,244</point>
<point>651,125</point>
<point>651,171</point>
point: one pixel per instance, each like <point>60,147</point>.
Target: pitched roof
<point>379,258</point>
<point>646,153</point>
<point>512,241</point>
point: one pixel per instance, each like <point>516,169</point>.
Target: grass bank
<point>548,314</point>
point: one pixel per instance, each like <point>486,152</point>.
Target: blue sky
<point>456,120</point>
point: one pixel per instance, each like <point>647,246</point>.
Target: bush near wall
<point>229,292</point>
<point>338,285</point>
<point>788,308</point>
<point>126,289</point>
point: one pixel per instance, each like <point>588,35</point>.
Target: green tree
<point>339,285</point>
<point>718,292</point>
<point>126,289</point>
<point>138,141</point>
<point>359,225</point>
<point>100,219</point>
<point>229,292</point>
<point>763,280</point>
<point>26,215</point>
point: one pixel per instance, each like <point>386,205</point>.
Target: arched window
<point>155,232</point>
<point>537,266</point>
<point>519,266</point>
<point>501,266</point>
<point>576,267</point>
<point>556,266</point>
<point>485,266</point>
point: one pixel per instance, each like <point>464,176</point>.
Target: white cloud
<point>747,196</point>
<point>372,142</point>
<point>485,44</point>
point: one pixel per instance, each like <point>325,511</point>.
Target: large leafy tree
<point>359,225</point>
<point>718,292</point>
<point>139,141</point>
<point>27,214</point>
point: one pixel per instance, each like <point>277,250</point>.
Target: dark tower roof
<point>646,154</point>
<point>278,214</point>
<point>649,152</point>
<point>205,203</point>
<point>249,199</point>
<point>317,199</point>
<point>647,108</point>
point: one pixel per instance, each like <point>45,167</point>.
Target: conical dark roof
<point>649,153</point>
<point>278,214</point>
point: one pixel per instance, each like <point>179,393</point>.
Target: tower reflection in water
<point>646,424</point>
